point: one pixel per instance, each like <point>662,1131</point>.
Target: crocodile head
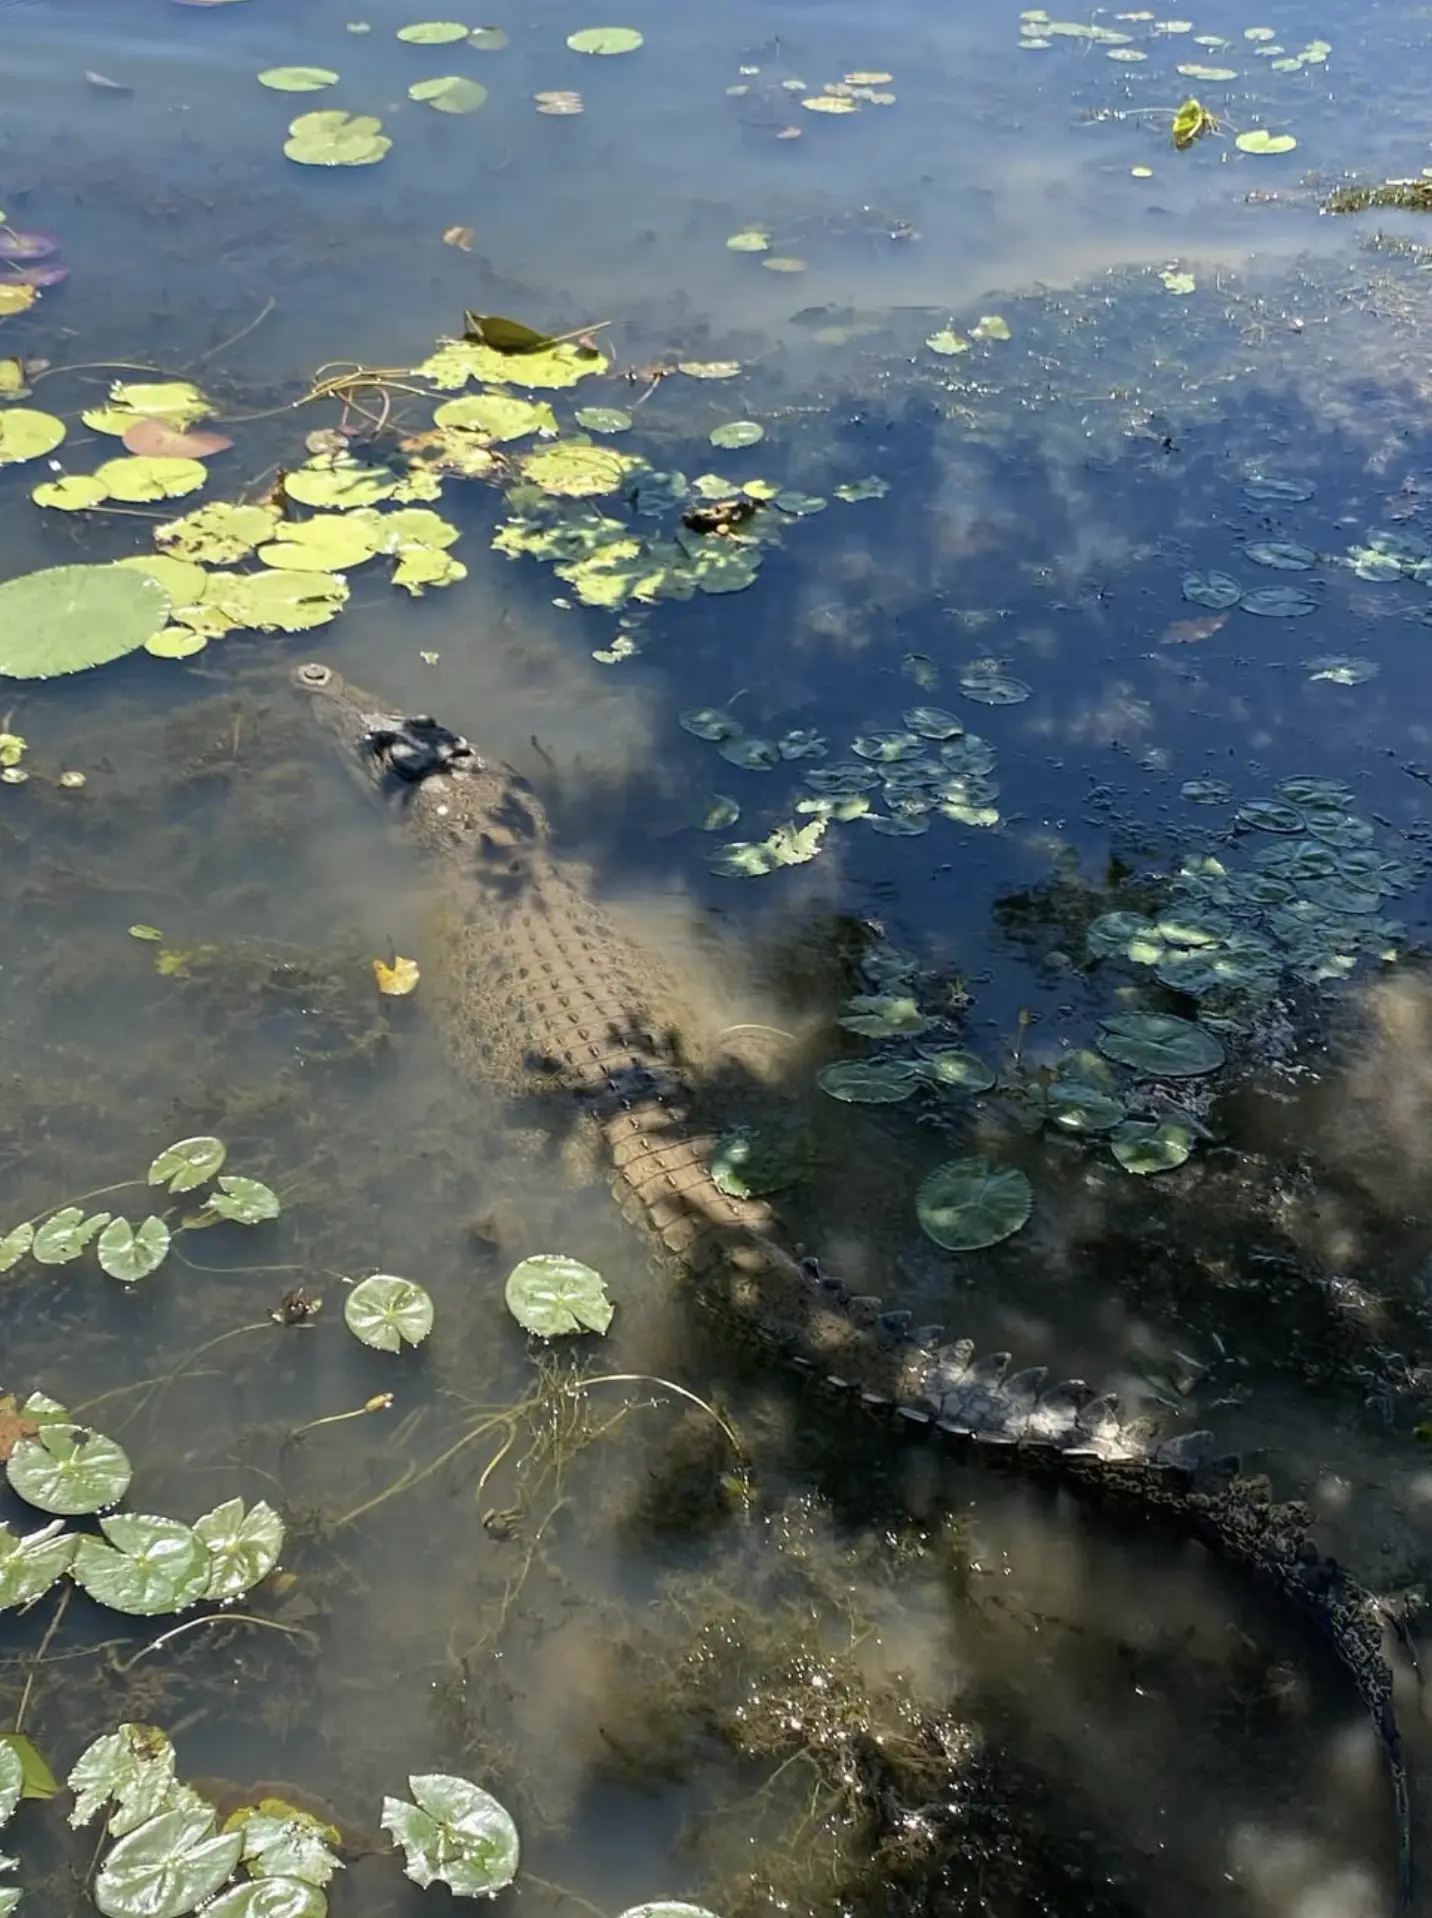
<point>448,790</point>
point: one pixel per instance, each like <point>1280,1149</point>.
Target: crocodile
<point>536,950</point>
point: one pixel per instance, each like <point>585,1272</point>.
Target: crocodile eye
<point>312,673</point>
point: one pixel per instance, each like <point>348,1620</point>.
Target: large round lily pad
<point>456,1833</point>
<point>969,1203</point>
<point>67,618</point>
<point>1160,1046</point>
<point>867,1082</point>
<point>66,1470</point>
<point>551,1294</point>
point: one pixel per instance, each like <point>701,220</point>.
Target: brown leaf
<point>1184,632</point>
<point>14,1426</point>
<point>157,439</point>
<point>459,236</point>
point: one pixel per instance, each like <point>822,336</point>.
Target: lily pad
<point>933,722</point>
<point>298,79</point>
<point>132,1767</point>
<point>1072,1107</point>
<point>952,1066</point>
<point>334,138</point>
<point>218,534</point>
<point>433,33</point>
<point>869,1082</point>
<point>553,1295</point>
<point>67,618</point>
<point>148,1566</point>
<point>1159,1046</point>
<point>1217,591</point>
<point>67,1471</point>
<point>128,1252</point>
<point>28,435</point>
<point>735,433</point>
<point>65,1234</point>
<point>576,470</point>
<point>279,602</point>
<point>284,1844</point>
<point>453,93</point>
<point>1143,1147</point>
<point>605,40</point>
<point>166,1866</point>
<point>1266,815</point>
<point>992,687</point>
<point>1284,554</point>
<point>15,1244</point>
<point>603,419</point>
<point>327,543</point>
<point>1259,140</point>
<point>1279,602</point>
<point>1266,486</point>
<point>755,755</point>
<point>243,1201</point>
<point>387,1312</point>
<point>456,1833</point>
<point>885,1015</point>
<point>1206,792</point>
<point>710,722</point>
<point>279,1897</point>
<point>188,1163</point>
<point>1340,669</point>
<point>30,1563</point>
<point>968,1203</point>
<point>243,1547</point>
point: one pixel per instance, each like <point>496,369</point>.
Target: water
<point>863,1677</point>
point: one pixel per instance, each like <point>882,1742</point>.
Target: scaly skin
<point>560,994</point>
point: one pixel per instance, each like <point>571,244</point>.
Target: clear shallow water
<point>1155,1731</point>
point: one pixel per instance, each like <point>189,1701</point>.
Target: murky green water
<point>850,1675</point>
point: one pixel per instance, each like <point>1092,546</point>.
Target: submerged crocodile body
<point>537,953</point>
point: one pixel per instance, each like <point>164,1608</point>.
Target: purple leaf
<point>26,246</point>
<point>34,276</point>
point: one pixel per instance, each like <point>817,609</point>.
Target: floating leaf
<point>968,1203</point>
<point>1259,140</point>
<point>167,1866</point>
<point>1073,1107</point>
<point>948,342</point>
<point>334,138</point>
<point>1280,602</point>
<point>990,327</point>
<point>855,490</point>
<point>751,240</point>
<point>755,755</point>
<point>243,1201</point>
<point>1262,486</point>
<point>603,419</point>
<point>453,93</point>
<point>456,1833</point>
<point>134,1766</point>
<point>736,433</point>
<point>67,1471</point>
<point>150,1565</point>
<point>282,601</point>
<point>282,1842</point>
<point>551,1294</point>
<point>1284,554</point>
<point>127,1253</point>
<point>710,722</point>
<point>387,1312</point>
<point>27,435</point>
<point>668,1908</point>
<point>992,688</point>
<point>869,1082</point>
<point>498,416</point>
<point>1340,669</point>
<point>15,1244</point>
<point>709,369</point>
<point>885,1015</point>
<point>573,469</point>
<point>297,79</point>
<point>65,1234</point>
<point>433,33</point>
<point>1142,1147</point>
<point>137,479</point>
<point>282,1897</point>
<point>67,618</point>
<point>188,1163</point>
<point>30,1563</point>
<point>952,1066</point>
<point>218,534</point>
<point>1266,815</point>
<point>1159,1046</point>
<point>1214,590</point>
<point>399,979</point>
<point>243,1547</point>
<point>605,40</point>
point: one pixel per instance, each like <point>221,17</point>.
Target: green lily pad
<point>243,1201</point>
<point>12,1782</point>
<point>179,403</point>
<point>128,1253</point>
<point>456,1833</point>
<point>951,1066</point>
<point>869,1082</point>
<point>433,33</point>
<point>750,1161</point>
<point>575,470</point>
<point>1108,936</point>
<point>885,1015</point>
<point>755,755</point>
<point>668,1908</point>
<point>1339,669</point>
<point>853,491</point>
<point>1259,140</point>
<point>1217,591</point>
<point>1279,602</point>
<point>139,478</point>
<point>453,93</point>
<point>75,493</point>
<point>1266,486</point>
<point>552,1295</point>
<point>498,417</point>
<point>603,419</point>
<point>387,1312</point>
<point>30,1563</point>
<point>334,138</point>
<point>1159,1046</point>
<point>67,1471</point>
<point>243,1547</point>
<point>992,688</point>
<point>1143,1147</point>
<point>280,601</point>
<point>737,433</point>
<point>932,722</point>
<point>65,619</point>
<point>148,1566</point>
<point>1266,815</point>
<point>968,1203</point>
<point>339,482</point>
<point>947,342</point>
<point>1206,792</point>
<point>27,435</point>
<point>1283,554</point>
<point>15,1245</point>
<point>283,1843</point>
<point>458,361</point>
<point>605,40</point>
<point>278,1897</point>
<point>65,1234</point>
<point>218,534</point>
<point>133,1766</point>
<point>327,543</point>
<point>188,1163</point>
<point>37,1780</point>
<point>298,79</point>
<point>715,723</point>
<point>166,1866</point>
<point>1074,1107</point>
<point>750,240</point>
